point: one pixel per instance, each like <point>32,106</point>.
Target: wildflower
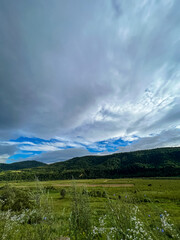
<point>45,218</point>
<point>162,230</point>
<point>149,215</point>
<point>144,195</point>
<point>125,196</point>
<point>161,215</point>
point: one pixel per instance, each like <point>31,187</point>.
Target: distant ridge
<point>160,162</point>
<point>20,165</point>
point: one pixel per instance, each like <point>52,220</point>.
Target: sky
<point>88,77</point>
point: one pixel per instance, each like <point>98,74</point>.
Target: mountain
<point>154,162</point>
<point>160,162</point>
<point>153,158</point>
<point>20,165</point>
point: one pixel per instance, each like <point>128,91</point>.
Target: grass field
<point>154,198</point>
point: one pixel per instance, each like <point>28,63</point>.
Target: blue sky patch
<point>29,147</point>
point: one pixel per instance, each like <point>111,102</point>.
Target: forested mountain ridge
<point>20,165</point>
<point>160,162</point>
<point>159,157</point>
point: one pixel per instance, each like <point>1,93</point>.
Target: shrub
<point>84,191</point>
<point>63,192</point>
<point>92,194</point>
<point>104,195</point>
<point>98,193</point>
<point>15,199</point>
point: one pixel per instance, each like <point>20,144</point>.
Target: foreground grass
<point>96,209</point>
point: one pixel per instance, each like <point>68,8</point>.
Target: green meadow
<point>91,209</point>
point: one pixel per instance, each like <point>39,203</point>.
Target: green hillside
<point>161,162</point>
<point>154,158</point>
<point>20,165</point>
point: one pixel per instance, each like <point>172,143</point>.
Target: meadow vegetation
<point>90,209</point>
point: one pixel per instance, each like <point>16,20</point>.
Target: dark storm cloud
<point>97,70</point>
<point>48,70</point>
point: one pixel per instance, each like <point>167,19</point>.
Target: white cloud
<point>86,72</point>
<point>167,138</point>
<point>3,158</point>
<point>61,155</point>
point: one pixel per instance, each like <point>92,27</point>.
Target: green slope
<point>161,162</point>
<point>20,165</point>
<point>154,162</point>
<point>154,158</point>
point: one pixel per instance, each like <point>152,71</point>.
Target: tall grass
<point>27,214</point>
<point>80,218</point>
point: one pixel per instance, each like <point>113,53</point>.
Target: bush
<point>104,195</point>
<point>63,192</point>
<point>98,194</point>
<point>15,199</point>
<point>92,194</point>
<point>84,192</point>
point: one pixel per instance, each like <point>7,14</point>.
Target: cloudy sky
<point>88,77</point>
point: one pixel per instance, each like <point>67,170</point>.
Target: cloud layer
<point>88,73</point>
